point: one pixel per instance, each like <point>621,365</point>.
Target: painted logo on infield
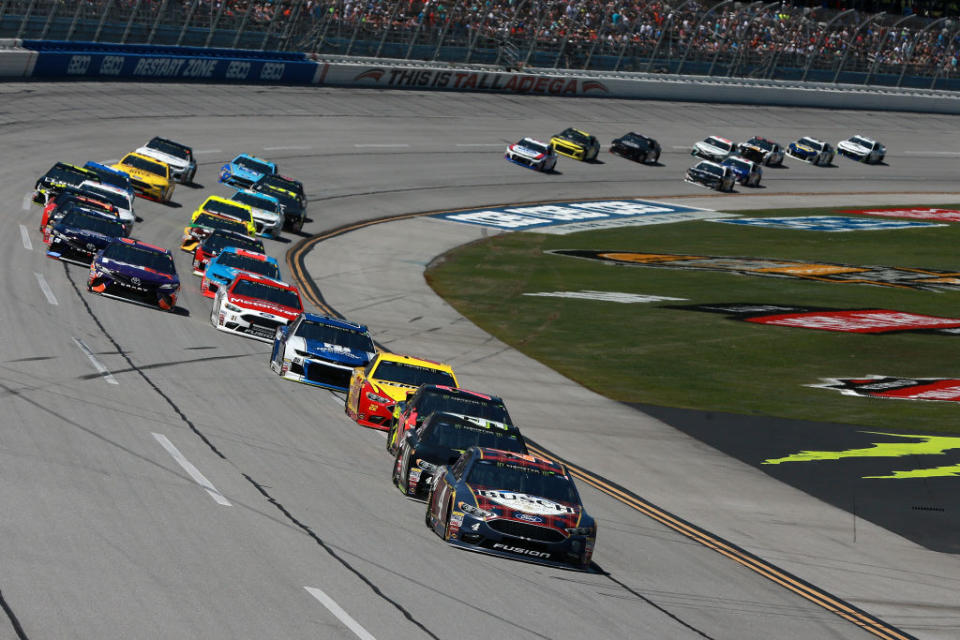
<point>937,389</point>
<point>570,217</point>
<point>899,277</point>
<point>829,223</point>
<point>945,215</point>
<point>604,296</point>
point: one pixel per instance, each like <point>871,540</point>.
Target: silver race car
<point>862,149</point>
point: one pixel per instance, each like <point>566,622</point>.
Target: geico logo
<point>78,65</point>
<point>528,552</point>
<point>272,71</point>
<point>238,70</point>
<point>111,65</point>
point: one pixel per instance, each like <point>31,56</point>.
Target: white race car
<point>862,149</point>
<point>714,148</point>
<point>183,166</point>
<point>116,196</point>
<point>254,306</point>
<point>267,212</point>
<point>532,154</point>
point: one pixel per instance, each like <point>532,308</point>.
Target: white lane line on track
<point>386,145</point>
<point>47,291</point>
<point>191,470</point>
<point>951,154</point>
<point>111,161</point>
<point>27,199</point>
<point>209,151</point>
<point>342,615</point>
<point>292,147</point>
<point>96,363</point>
<point>25,238</point>
<point>685,148</point>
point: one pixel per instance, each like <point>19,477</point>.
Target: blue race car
<point>81,234</point>
<point>748,173</point>
<point>321,351</point>
<point>244,170</point>
<point>112,177</point>
<point>816,152</point>
<point>136,271</point>
<point>222,268</point>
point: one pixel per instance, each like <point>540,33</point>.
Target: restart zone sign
<point>830,223</point>
<point>570,217</point>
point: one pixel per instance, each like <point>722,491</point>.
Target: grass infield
<point>651,353</point>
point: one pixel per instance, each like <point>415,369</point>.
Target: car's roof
<point>142,157</point>
<point>472,421</point>
<point>255,194</point>
<point>346,324</point>
<point>144,245</point>
<point>248,254</point>
<point>720,138</point>
<point>252,157</point>
<point>520,459</point>
<point>256,277</point>
<point>456,391</point>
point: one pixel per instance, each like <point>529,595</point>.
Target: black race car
<point>711,175</point>
<point>59,176</point>
<point>637,147</point>
<point>440,440</point>
<point>761,151</point>
<point>80,234</point>
<point>291,195</point>
<point>218,239</point>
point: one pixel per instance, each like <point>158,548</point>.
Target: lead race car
<point>532,154</point>
<point>862,149</point>
<point>321,351</point>
<point>513,505</point>
<point>254,306</point>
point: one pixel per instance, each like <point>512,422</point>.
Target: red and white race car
<point>254,306</point>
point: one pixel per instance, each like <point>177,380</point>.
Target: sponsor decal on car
<point>905,446</point>
<point>899,277</point>
<point>930,213</point>
<point>829,223</point>
<point>524,502</point>
<point>520,515</point>
<point>940,389</point>
<point>562,218</point>
<point>527,552</point>
<point>825,319</point>
<point>604,296</point>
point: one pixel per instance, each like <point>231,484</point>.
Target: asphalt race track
<point>112,413</point>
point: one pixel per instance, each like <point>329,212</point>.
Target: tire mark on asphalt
<point>14,622</point>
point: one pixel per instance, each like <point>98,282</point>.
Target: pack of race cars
<point>723,163</point>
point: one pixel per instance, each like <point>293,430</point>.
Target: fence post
<point>883,39</point>
<point>46,25</point>
<point>26,19</point>
<point>846,54</point>
<point>916,40</point>
<point>386,29</point>
<point>213,24</point>
<point>443,33</point>
<point>603,21</point>
<point>696,30</point>
<point>295,16</point>
<point>73,23</point>
<point>416,32</point>
<point>186,21</point>
<point>936,76</point>
<point>266,34</point>
<point>156,22</point>
<point>133,15</point>
<point>821,40</point>
<point>243,25</point>
<point>103,19</point>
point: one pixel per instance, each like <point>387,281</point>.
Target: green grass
<point>654,354</point>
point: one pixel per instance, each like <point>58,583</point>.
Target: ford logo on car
<point>527,517</point>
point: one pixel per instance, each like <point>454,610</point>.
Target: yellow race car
<point>228,209</point>
<point>388,379</point>
<point>576,144</point>
<point>150,178</point>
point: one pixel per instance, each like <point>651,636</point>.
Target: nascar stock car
<point>512,505</point>
<point>862,149</point>
<point>229,262</point>
<point>228,209</point>
<point>183,166</point>
<point>532,154</point>
<point>761,151</point>
<point>430,398</point>
<point>135,271</point>
<point>746,172</point>
<point>713,148</point>
<point>80,235</point>
<point>244,170</point>
<point>711,175</point>
<point>206,223</point>
<point>811,150</point>
<point>111,177</point>
<point>119,198</point>
<point>150,178</point>
<point>71,197</point>
<point>60,175</point>
<point>389,378</point>
<point>290,194</point>
<point>266,210</point>
<point>637,147</point>
<point>576,144</point>
<point>254,306</point>
<point>321,351</point>
<point>440,440</point>
<point>215,242</point>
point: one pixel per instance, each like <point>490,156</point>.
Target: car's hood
<point>265,306</point>
<point>243,172</point>
<point>173,161</point>
<point>263,214</point>
<point>527,507</point>
<point>393,390</point>
<point>855,147</point>
<point>706,146</point>
<point>141,175</point>
<point>526,151</point>
<point>85,235</point>
<point>145,274</point>
<point>332,352</point>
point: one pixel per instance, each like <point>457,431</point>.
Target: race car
<point>244,170</point>
<point>637,147</point>
<point>713,148</point>
<point>228,209</point>
<point>440,440</point>
<point>266,210</point>
<point>862,149</point>
<point>711,175</point>
<point>228,263</point>
<point>70,197</point>
<point>512,505</point>
<point>321,351</point>
<point>116,196</point>
<point>430,398</point>
<point>293,212</point>
<point>80,235</point>
<point>532,154</point>
<point>60,175</point>
<point>150,178</point>
<point>761,151</point>
<point>135,271</point>
<point>111,177</point>
<point>254,306</point>
<point>205,224</point>
<point>746,172</point>
<point>216,241</point>
<point>811,150</point>
<point>389,378</point>
<point>576,144</point>
<point>183,166</point>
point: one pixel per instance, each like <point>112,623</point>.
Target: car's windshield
<point>739,164</point>
<point>217,222</point>
<point>246,263</point>
<point>862,142</point>
<point>466,404</point>
<point>340,336</point>
<point>88,203</point>
<point>576,136</point>
<point>810,142</point>
<point>526,143</point>
<point>268,292</point>
<point>288,201</point>
<point>140,257</point>
<point>170,148</point>
<point>221,239</point>
<point>150,166</point>
<point>411,374</point>
<point>530,480</point>
<point>225,208</point>
<point>118,200</point>
<point>252,165</point>
<point>61,173</point>
<point>766,145</point>
<point>721,144</point>
<point>259,202</point>
<point>112,178</point>
<point>452,433</point>
<point>282,183</point>
<point>79,219</point>
<point>711,168</point>
<point>635,138</point>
